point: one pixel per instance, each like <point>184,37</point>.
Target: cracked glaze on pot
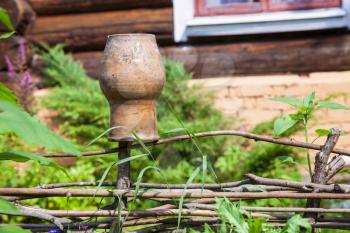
<point>132,79</point>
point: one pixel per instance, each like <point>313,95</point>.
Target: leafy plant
<point>14,120</point>
<point>305,108</point>
<point>83,110</point>
<point>234,219</point>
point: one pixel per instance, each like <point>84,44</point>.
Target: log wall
<point>299,55</point>
<point>88,31</point>
<point>84,24</point>
<point>54,7</point>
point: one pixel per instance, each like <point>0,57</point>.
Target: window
<point>226,7</point>
<point>280,5</point>
<point>199,18</point>
<point>230,7</point>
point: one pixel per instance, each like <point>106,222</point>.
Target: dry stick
<point>320,171</point>
<point>268,209</point>
<point>40,214</point>
<point>295,209</point>
<point>306,186</point>
<point>75,184</point>
<point>209,134</point>
<point>150,213</point>
<point>157,220</point>
<point>105,224</point>
<point>123,182</point>
<point>329,225</point>
<point>338,163</point>
<point>322,225</point>
<point>278,185</point>
<point>150,185</point>
<point>165,194</point>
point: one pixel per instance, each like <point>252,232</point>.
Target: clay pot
<point>132,78</point>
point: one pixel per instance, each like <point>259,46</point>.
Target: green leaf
<point>7,35</point>
<point>189,181</point>
<point>6,206</point>
<point>282,124</point>
<point>308,100</point>
<point>104,133</point>
<point>204,170</point>
<point>207,229</point>
<point>331,105</point>
<point>30,129</point>
<point>295,223</point>
<point>322,132</point>
<point>13,229</point>
<point>176,130</point>
<point>139,178</point>
<point>105,173</point>
<point>7,94</point>
<point>256,225</point>
<point>286,159</point>
<point>288,100</point>
<point>26,156</point>
<point>232,214</point>
<point>5,19</point>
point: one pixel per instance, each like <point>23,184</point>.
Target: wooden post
<point>132,79</point>
<point>320,171</point>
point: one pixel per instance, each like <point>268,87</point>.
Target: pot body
<point>132,78</point>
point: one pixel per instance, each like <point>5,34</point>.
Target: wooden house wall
<point>82,25</point>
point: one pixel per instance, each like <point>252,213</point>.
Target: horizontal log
<point>51,7</point>
<point>298,55</point>
<point>21,14</point>
<point>88,31</point>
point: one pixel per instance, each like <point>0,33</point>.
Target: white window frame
<point>187,25</point>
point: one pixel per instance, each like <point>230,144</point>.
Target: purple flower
<point>26,80</point>
<point>22,51</point>
<point>242,129</point>
<point>11,72</point>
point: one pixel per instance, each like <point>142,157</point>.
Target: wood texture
<point>132,77</point>
<point>51,7</point>
<point>21,15</point>
<point>88,31</point>
<point>321,164</point>
<point>300,55</point>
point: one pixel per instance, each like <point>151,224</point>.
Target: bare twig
<point>150,185</point>
<point>75,184</point>
<point>209,134</point>
<point>164,194</point>
<point>306,186</point>
<point>338,163</point>
<point>40,214</point>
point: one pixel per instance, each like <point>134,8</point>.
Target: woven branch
<point>207,134</point>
